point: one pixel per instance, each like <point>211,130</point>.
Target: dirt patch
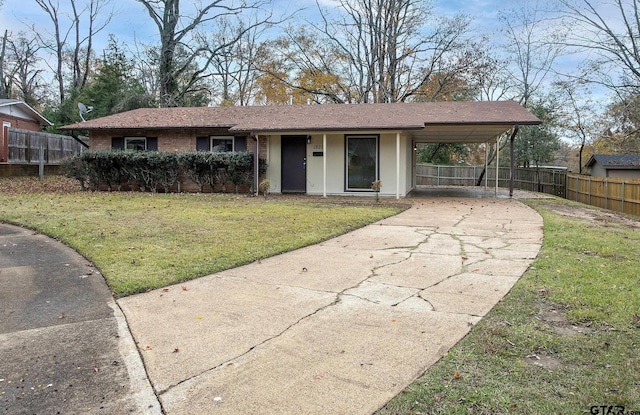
<point>560,323</point>
<point>545,361</point>
<point>593,215</point>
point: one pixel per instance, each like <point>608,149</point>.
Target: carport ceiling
<point>458,133</point>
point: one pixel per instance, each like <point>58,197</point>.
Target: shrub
<point>195,166</point>
<point>76,168</point>
<point>151,170</point>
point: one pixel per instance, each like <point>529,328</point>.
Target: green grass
<point>576,313</point>
<point>142,241</point>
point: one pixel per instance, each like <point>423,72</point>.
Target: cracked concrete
<point>339,327</point>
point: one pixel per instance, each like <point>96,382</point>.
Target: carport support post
<point>486,165</point>
<point>397,165</point>
<point>512,162</point>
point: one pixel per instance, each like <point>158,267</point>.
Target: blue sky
<point>132,20</point>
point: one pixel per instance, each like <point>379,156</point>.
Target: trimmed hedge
<point>155,170</point>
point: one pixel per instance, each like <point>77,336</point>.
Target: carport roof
<point>428,121</point>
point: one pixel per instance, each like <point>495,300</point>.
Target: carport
<point>471,134</point>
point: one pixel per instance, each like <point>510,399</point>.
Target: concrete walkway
<point>340,327</point>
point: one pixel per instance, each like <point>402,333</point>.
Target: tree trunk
<point>3,91</point>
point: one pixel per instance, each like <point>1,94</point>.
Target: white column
<point>256,162</point>
<point>497,163</point>
<point>324,165</point>
<point>397,165</point>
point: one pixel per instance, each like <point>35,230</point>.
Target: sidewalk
<point>340,327</point>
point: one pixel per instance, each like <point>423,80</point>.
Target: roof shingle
<point>614,161</point>
<point>332,117</point>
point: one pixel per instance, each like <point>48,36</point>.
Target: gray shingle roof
<point>333,117</point>
<point>611,161</point>
<point>26,108</point>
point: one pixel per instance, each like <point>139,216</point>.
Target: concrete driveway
<point>340,327</point>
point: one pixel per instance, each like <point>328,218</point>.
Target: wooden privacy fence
<point>621,195</point>
<point>24,146</point>
<point>544,180</point>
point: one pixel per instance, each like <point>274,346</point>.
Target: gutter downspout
<point>516,128</point>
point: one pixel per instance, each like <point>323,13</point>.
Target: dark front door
<point>294,164</point>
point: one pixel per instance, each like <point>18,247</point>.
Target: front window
<point>221,143</point>
<point>362,161</point>
<point>135,143</point>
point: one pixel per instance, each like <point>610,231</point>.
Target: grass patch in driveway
<point>566,337</point>
<point>142,241</point>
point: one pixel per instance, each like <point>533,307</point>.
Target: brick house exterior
<point>335,149</point>
<point>17,114</point>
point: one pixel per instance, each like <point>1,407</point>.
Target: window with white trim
<point>222,143</point>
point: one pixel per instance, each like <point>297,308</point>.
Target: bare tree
<point>183,30</point>
<point>610,31</point>
<point>302,66</point>
<point>490,77</point>
<point>533,43</point>
<point>374,50</point>
<point>24,75</point>
<point>577,118</point>
<point>235,69</point>
<point>60,42</point>
<point>3,80</point>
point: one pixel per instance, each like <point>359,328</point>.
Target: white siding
<point>335,154</point>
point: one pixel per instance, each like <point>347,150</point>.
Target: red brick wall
<point>21,123</point>
<point>173,141</point>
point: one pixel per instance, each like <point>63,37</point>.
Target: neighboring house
<point>615,166</point>
<point>18,114</point>
<point>336,149</point>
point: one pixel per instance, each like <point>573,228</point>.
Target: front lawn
<point>142,241</point>
<point>564,340</point>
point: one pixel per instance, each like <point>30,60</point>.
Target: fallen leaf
<point>165,290</point>
<point>61,316</point>
<point>456,375</point>
<point>176,350</point>
<point>184,288</point>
